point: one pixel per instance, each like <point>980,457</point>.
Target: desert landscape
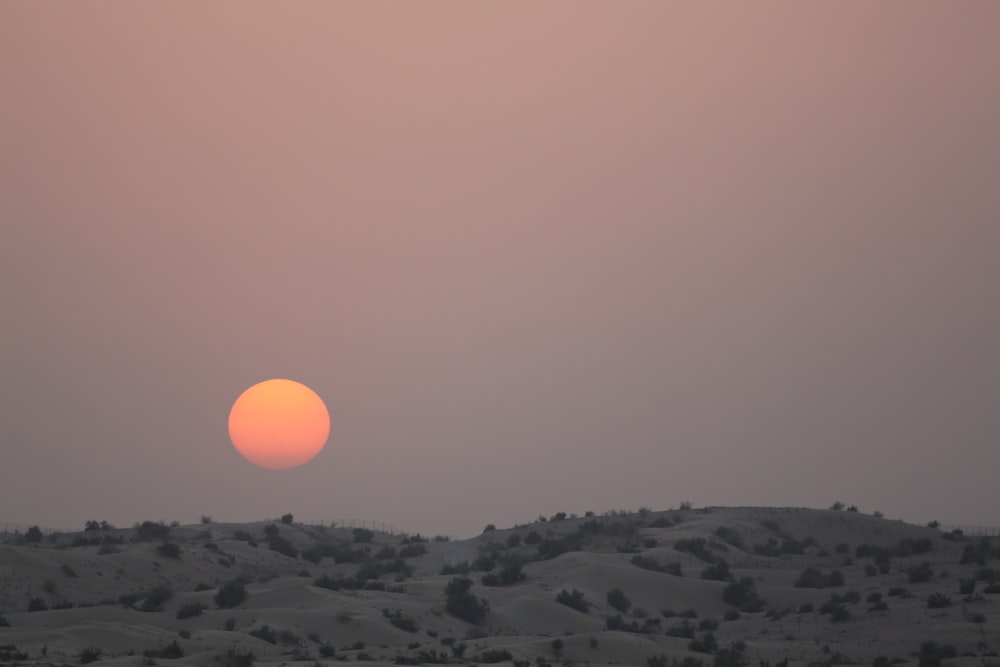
<point>685,587</point>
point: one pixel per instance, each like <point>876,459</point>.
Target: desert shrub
<point>731,615</point>
<point>362,535</point>
<point>707,644</point>
<point>230,595</point>
<point>839,614</point>
<point>931,654</point>
<point>244,536</point>
<point>508,574</point>
<point>89,654</point>
<point>494,655</point>
<point>326,650</point>
<point>532,538</point>
<point>282,546</point>
<point>400,620</point>
<point>966,585</point>
<point>37,604</point>
<point>730,536</point>
<point>684,629</point>
<point>169,550</point>
<point>938,601</point>
<point>190,609</point>
<point>513,540</point>
<point>787,547</point>
<point>920,573</point>
<point>152,531</point>
<point>740,593</point>
<point>455,568</point>
<point>697,547</point>
<point>33,534</point>
<point>574,600</point>
<point>271,530</point>
<point>489,528</point>
<point>385,552</point>
<point>461,603</point>
<point>660,522</point>
<point>265,633</point>
<point>287,519</point>
<point>617,599</point>
<point>11,652</point>
<point>154,600</point>
<point>412,550</point>
<point>813,578</point>
<point>171,651</point>
<point>648,625</point>
<point>717,572</point>
<point>550,548</point>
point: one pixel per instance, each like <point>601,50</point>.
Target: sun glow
<point>279,424</point>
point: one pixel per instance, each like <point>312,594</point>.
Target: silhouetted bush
<point>707,644</point>
<point>717,572</point>
<point>684,630</point>
<point>742,594</point>
<point>931,654</point>
<point>575,600</point>
<point>154,600</point>
<point>920,573</point>
<point>697,547</point>
<point>648,625</point>
<point>171,651</point>
<point>231,595</point>
<point>169,550</point>
<point>362,535</point>
<point>617,599</point>
<point>938,601</point>
<point>287,519</point>
<point>282,546</point>
<point>489,528</point>
<point>190,609</point>
<point>813,578</point>
<point>462,604</point>
<point>494,655</point>
<point>89,654</point>
<point>401,621</point>
<point>508,575</point>
<point>265,633</point>
<point>152,531</point>
<point>412,550</point>
<point>33,534</point>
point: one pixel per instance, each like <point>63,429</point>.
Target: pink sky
<point>535,257</point>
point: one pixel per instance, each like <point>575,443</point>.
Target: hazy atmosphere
<point>534,257</point>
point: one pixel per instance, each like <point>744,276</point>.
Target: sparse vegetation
<point>231,594</point>
<point>574,599</point>
<point>461,603</point>
<point>618,600</point>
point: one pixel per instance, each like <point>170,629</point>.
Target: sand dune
<point>314,593</point>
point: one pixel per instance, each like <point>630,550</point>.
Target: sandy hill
<point>712,586</point>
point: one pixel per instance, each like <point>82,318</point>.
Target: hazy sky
<point>536,257</point>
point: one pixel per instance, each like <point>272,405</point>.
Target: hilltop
<point>723,586</point>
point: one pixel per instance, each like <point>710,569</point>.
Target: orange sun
<point>279,424</point>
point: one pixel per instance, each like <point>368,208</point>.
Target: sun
<point>279,424</point>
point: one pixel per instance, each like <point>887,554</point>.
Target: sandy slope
<point>524,618</point>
